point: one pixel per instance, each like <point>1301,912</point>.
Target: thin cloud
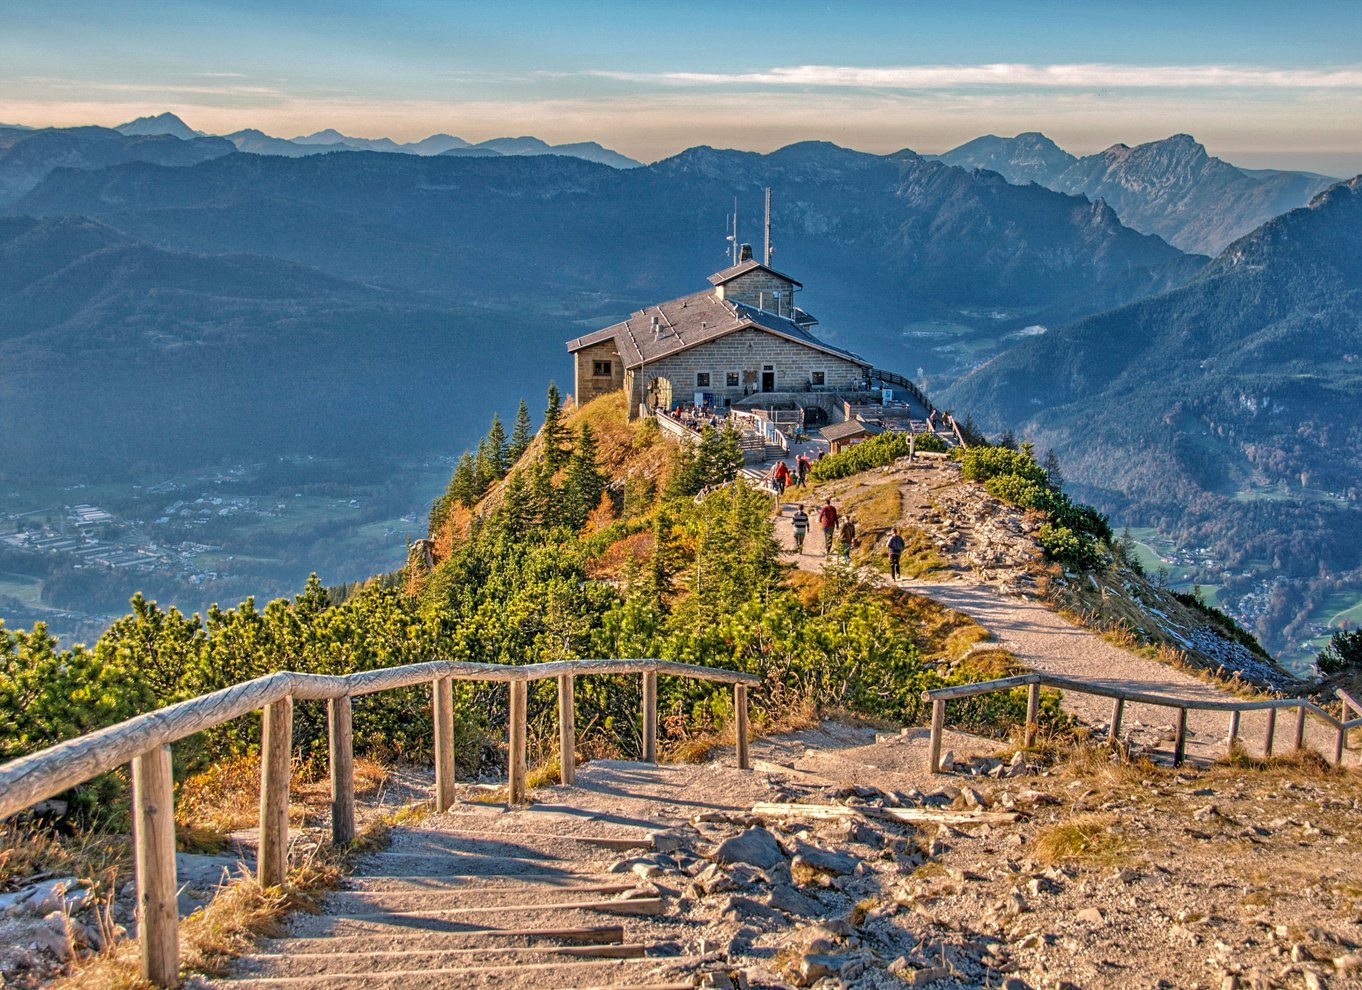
<point>1088,76</point>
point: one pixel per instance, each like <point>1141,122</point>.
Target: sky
<point>1261,84</point>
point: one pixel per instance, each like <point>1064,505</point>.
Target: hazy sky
<point>1260,83</point>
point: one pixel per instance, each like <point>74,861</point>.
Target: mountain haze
<point>1171,187</point>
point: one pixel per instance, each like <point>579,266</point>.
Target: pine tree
<point>520,434</point>
<point>1008,440</point>
<point>1052,471</point>
<point>484,470</point>
<point>583,486</point>
<point>728,459</point>
<point>553,431</point>
<point>496,447</point>
<point>516,512</point>
<point>463,486</point>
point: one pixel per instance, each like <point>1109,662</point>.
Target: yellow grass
<point>1089,836</point>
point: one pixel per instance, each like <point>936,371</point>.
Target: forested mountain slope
<point>1224,410</point>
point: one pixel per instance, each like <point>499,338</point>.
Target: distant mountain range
<point>1224,411</point>
<point>1172,187</point>
<point>325,141</point>
<point>883,242</point>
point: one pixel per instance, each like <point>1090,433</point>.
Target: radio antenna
<point>766,258</point>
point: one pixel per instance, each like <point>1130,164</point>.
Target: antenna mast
<point>766,259</point>
<point>735,230</point>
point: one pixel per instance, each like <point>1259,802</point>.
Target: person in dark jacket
<point>895,547</point>
<point>827,518</point>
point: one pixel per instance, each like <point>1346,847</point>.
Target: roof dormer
<point>754,284</point>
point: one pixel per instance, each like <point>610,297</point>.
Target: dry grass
<point>1087,837</point>
<point>237,917</point>
<point>28,851</point>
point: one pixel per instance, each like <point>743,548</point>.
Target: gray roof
<point>849,428</point>
<point>742,268</point>
<point>696,319</point>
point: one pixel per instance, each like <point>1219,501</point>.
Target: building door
<point>768,380</point>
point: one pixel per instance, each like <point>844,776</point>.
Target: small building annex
<point>743,341</point>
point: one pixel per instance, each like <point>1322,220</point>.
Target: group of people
<point>843,530</point>
<point>783,477</point>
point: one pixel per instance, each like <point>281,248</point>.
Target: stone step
<point>420,957</point>
<point>562,974</point>
<point>415,883</point>
<point>528,936</point>
<point>455,919</point>
<point>359,902</point>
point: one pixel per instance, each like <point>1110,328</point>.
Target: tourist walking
<point>827,518</point>
<point>802,469</point>
<point>895,547</point>
<point>847,536</point>
<point>800,522</point>
<point>782,477</point>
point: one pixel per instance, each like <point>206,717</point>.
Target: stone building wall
<point>589,384</point>
<point>744,353</point>
<point>759,288</point>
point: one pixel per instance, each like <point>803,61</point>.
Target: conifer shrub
<point>875,452</point>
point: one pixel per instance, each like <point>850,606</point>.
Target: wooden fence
<point>1121,697</point>
<point>145,742</point>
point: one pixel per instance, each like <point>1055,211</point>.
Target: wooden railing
<point>1121,697</point>
<point>145,742</point>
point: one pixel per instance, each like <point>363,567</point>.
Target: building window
<point>600,369</point>
<point>731,379</point>
<point>702,379</point>
<point>818,377</point>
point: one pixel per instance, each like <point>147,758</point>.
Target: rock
<point>825,860</point>
<point>851,970</point>
<point>741,942</point>
<point>746,909</point>
<point>923,977</point>
<point>1351,963</point>
<point>627,865</point>
<point>667,841</point>
<point>1091,916</point>
<point>1313,981</point>
<point>784,897</point>
<point>754,847</point>
<point>1299,953</point>
<point>713,880</point>
<point>814,967</point>
<point>973,799</point>
<point>1032,941</point>
<point>1041,885</point>
<point>64,893</point>
<point>1015,983</point>
<point>948,760</point>
<point>52,937</point>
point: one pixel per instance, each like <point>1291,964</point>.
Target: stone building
<point>742,341</point>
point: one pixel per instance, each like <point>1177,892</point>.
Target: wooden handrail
<point>1034,681</point>
<point>144,741</point>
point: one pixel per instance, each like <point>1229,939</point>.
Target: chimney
<point>657,330</point>
<point>744,253</point>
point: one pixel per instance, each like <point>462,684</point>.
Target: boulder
<point>825,860</point>
<point>754,847</point>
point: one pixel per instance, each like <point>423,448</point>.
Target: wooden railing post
<point>740,726</point>
<point>1300,727</point>
<point>1180,739</point>
<point>442,695</point>
<point>1118,708</point>
<point>158,927</point>
<point>276,745</point>
<point>516,757</point>
<point>1032,713</point>
<point>938,727</point>
<point>1234,729</point>
<point>650,716</point>
<point>1338,746</point>
<point>1271,731</point>
<point>340,743</point>
<point>567,731</point>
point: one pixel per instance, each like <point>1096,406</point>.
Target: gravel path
<point>1044,641</point>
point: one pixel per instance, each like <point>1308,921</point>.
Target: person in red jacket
<point>827,518</point>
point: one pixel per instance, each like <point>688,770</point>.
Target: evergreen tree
<point>463,486</point>
<point>1008,440</point>
<point>496,447</point>
<point>516,511</point>
<point>520,434</point>
<point>555,456</point>
<point>583,486</point>
<point>484,470</point>
<point>1052,471</point>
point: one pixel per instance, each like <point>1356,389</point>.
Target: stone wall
<point>745,354</point>
<point>589,385</point>
<point>759,288</point>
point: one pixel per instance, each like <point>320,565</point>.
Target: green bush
<point>875,452</point>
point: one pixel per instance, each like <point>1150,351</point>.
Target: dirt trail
<point>1044,641</point>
